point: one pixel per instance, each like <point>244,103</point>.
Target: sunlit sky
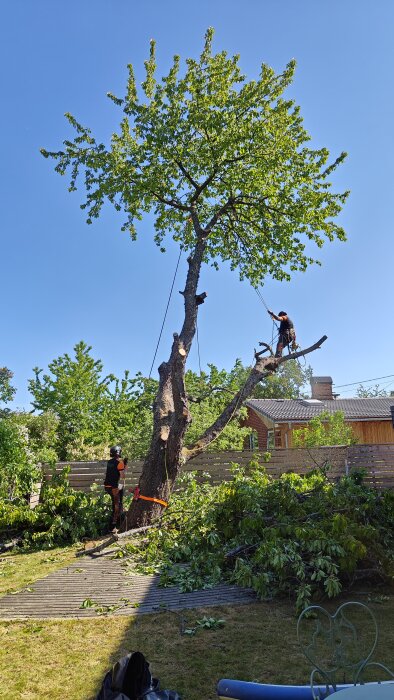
<point>63,281</point>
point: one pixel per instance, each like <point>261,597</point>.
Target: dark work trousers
<point>117,504</point>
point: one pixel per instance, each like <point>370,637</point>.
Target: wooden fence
<point>376,460</point>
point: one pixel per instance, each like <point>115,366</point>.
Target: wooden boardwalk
<point>104,581</point>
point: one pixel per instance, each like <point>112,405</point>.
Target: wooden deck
<point>105,582</point>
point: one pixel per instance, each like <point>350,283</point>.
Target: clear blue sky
<point>63,281</point>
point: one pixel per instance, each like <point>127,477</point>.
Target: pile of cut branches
<point>300,536</point>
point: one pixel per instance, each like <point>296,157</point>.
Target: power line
<point>383,387</point>
<point>338,386</point>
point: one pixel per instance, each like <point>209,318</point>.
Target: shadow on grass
<point>258,642</point>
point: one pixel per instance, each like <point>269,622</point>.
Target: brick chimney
<point>321,388</point>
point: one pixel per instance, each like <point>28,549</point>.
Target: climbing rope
<point>165,313</point>
<point>198,348</point>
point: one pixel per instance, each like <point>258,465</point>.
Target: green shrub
<point>18,469</point>
<point>63,516</point>
<point>299,536</point>
<point>325,429</point>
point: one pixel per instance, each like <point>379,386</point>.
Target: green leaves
<point>325,429</point>
<point>205,142</point>
<point>90,409</point>
<point>7,391</point>
<point>204,623</point>
<point>18,468</point>
<point>62,516</point>
<point>297,536</point>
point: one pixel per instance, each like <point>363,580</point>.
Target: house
<point>273,420</point>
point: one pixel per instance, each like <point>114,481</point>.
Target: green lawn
<point>67,659</point>
<point>54,659</point>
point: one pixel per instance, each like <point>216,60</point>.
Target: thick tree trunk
<point>171,415</point>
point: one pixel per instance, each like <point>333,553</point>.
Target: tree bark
<point>171,414</point>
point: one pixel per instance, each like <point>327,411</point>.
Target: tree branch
<point>201,398</point>
<point>264,367</point>
<point>171,202</point>
<point>198,187</point>
<point>187,174</point>
<point>218,214</point>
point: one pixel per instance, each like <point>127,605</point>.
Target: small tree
<point>76,393</point>
<point>225,168</point>
<point>42,434</point>
<point>323,430</point>
<point>7,391</point>
<point>370,392</point>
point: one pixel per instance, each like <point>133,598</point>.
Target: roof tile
<point>298,410</point>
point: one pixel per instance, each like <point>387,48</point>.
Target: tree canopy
<point>75,391</point>
<point>212,154</point>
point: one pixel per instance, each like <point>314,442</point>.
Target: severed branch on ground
<point>115,537</point>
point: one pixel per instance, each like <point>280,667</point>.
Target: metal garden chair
<point>335,647</point>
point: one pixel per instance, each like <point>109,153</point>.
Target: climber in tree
<point>286,332</point>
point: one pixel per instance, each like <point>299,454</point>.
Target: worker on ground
<point>286,332</point>
<point>113,484</point>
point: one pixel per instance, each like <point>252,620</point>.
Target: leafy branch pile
<point>63,516</point>
<point>302,537</point>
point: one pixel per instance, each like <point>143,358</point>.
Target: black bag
<point>131,679</point>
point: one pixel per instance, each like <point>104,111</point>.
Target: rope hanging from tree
<point>165,313</point>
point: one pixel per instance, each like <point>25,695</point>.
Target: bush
<point>18,469</point>
<point>325,429</point>
<point>64,516</point>
<point>298,536</point>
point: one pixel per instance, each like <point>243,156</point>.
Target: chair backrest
<point>334,645</point>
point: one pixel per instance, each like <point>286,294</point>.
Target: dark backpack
<point>131,679</point>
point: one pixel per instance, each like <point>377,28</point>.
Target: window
<point>274,439</point>
<point>253,441</point>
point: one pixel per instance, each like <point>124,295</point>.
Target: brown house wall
<point>255,422</point>
<point>373,432</point>
<point>366,432</point>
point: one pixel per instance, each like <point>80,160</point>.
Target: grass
<point>18,570</point>
<point>57,659</point>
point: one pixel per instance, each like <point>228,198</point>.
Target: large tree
<point>224,165</point>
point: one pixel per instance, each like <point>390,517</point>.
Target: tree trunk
<point>171,415</point>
